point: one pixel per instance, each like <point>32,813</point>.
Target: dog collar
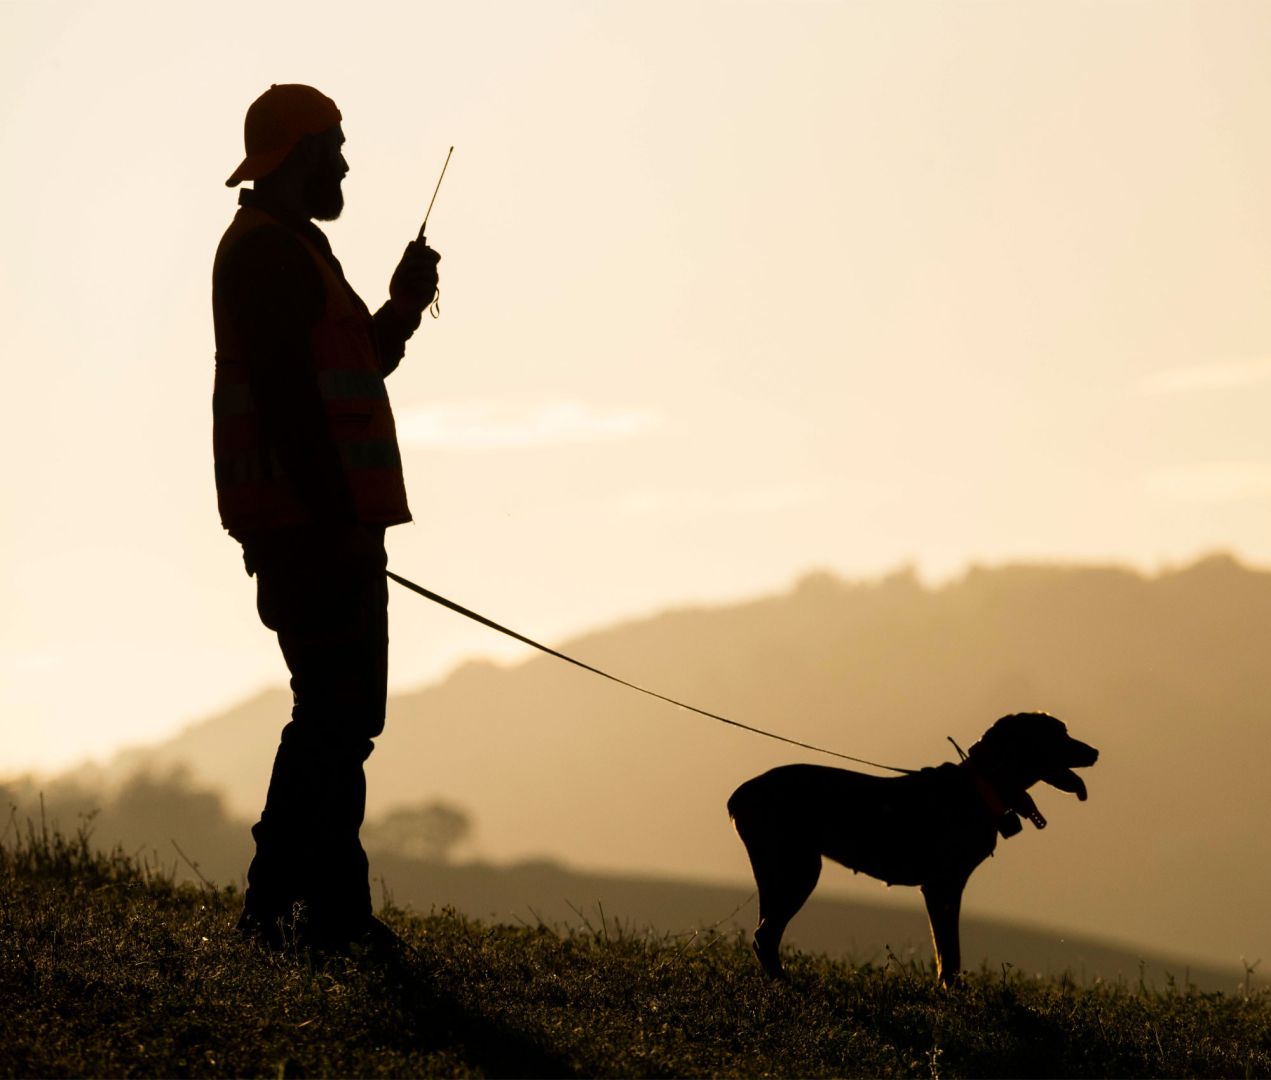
<point>999,808</point>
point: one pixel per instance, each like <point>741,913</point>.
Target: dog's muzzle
<point>1080,756</point>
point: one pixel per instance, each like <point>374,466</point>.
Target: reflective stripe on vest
<point>252,489</point>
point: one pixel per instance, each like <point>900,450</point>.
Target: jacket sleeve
<point>276,298</point>
<point>392,331</point>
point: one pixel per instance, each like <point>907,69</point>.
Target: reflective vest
<point>251,489</point>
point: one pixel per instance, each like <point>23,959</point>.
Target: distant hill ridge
<point>1166,673</point>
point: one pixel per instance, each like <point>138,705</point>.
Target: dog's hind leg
<point>786,879</point>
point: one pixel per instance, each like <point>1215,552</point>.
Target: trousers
<point>329,609</point>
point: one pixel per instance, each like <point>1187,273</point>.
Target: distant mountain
<point>1168,675</point>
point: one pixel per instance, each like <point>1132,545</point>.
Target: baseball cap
<point>277,120</point>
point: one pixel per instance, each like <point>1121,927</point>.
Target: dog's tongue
<point>1067,780</point>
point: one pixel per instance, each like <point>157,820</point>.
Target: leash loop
<point>428,594</point>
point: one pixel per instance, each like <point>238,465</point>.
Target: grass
<point>109,969</point>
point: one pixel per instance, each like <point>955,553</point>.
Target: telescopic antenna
<point>424,226</point>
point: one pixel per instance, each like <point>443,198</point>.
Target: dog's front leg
<point>944,904</point>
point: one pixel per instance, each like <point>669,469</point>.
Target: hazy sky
<point>729,291</point>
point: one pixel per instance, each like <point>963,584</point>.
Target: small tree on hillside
<point>428,831</point>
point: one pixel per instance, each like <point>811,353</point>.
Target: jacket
<point>302,428</point>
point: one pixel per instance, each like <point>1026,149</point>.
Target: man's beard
<point>326,200</point>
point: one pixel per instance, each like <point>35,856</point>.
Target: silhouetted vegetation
<point>153,817</point>
<point>109,968</point>
<point>429,831</point>
<point>168,821</point>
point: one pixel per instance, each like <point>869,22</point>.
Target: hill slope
<point>108,971</point>
<point>845,929</point>
<point>1166,674</point>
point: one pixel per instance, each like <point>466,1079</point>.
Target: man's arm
<point>276,297</point>
<point>393,329</point>
<point>411,290</point>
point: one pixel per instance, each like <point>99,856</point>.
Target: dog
<point>930,828</point>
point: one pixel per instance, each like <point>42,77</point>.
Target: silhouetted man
<point>308,476</point>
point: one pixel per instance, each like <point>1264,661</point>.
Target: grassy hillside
<point>1166,674</point>
<point>107,969</point>
<point>852,930</point>
<point>168,821</point>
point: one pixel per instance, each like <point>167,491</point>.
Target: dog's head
<point>1033,747</point>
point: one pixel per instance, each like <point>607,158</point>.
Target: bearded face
<point>324,195</point>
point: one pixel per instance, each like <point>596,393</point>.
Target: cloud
<point>1228,376</point>
<point>1219,481</point>
<point>763,500</point>
<point>513,425</point>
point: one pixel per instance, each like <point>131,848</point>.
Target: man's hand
<point>414,282</point>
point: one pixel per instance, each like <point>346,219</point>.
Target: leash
<point>428,594</point>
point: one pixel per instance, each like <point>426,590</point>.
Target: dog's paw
<point>769,957</point>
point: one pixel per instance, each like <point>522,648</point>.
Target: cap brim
<point>254,166</point>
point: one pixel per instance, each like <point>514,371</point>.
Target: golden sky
<point>729,291</point>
